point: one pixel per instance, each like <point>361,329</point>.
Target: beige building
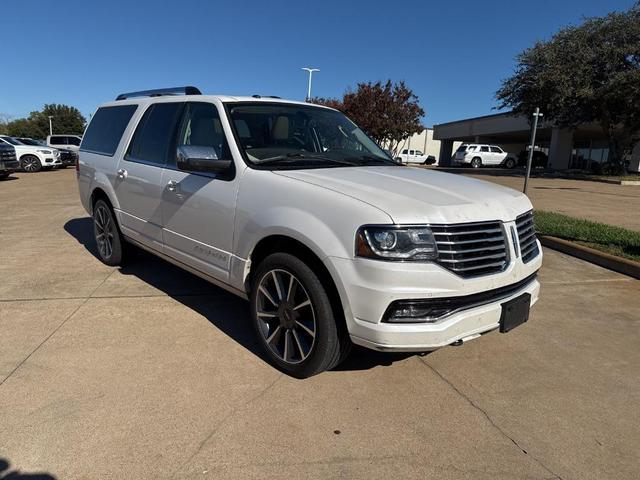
<point>423,142</point>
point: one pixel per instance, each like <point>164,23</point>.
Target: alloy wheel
<point>30,164</point>
<point>285,314</point>
<point>104,231</point>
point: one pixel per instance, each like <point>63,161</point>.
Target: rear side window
<point>484,149</point>
<point>155,134</point>
<point>106,128</point>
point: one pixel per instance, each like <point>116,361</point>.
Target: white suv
<point>68,142</point>
<point>291,206</point>
<point>477,155</point>
<point>33,158</point>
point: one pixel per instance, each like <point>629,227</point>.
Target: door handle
<point>122,174</point>
<point>172,186</point>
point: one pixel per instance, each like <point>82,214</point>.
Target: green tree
<point>586,73</point>
<point>66,119</point>
<point>388,112</point>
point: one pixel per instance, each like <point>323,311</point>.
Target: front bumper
<point>368,287</point>
<point>9,166</point>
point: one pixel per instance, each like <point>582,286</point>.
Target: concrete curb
<point>617,264</point>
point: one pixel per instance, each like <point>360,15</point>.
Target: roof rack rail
<point>160,92</point>
<point>265,96</point>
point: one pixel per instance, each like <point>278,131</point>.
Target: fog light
<point>415,312</point>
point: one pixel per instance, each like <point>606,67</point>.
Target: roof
<point>206,98</point>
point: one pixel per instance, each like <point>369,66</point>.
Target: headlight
<point>46,152</point>
<point>398,243</point>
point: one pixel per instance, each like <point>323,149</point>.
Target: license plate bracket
<point>515,312</point>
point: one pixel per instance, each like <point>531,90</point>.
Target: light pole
<point>50,125</point>
<point>310,70</point>
<point>536,115</point>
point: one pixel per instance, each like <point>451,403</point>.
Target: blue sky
<point>453,54</point>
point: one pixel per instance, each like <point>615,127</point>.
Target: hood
<point>416,195</point>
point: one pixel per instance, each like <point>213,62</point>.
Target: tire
<point>293,318</point>
<point>3,176</point>
<point>509,163</point>
<point>476,162</point>
<point>30,163</point>
<point>109,241</point>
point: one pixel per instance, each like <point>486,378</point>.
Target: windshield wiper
<point>300,156</point>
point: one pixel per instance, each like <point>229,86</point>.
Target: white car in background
<point>477,155</point>
<point>410,156</point>
<point>68,142</point>
<point>33,158</point>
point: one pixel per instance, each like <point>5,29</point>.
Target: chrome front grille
<point>472,249</point>
<point>527,237</point>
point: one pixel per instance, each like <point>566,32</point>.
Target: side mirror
<point>195,158</point>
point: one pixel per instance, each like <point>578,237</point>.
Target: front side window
<point>59,140</point>
<point>496,150</point>
<point>404,152</point>
<point>301,136</point>
<point>201,127</point>
<point>11,140</point>
<point>418,152</point>
<point>73,141</point>
<point>154,134</point>
<point>106,128</point>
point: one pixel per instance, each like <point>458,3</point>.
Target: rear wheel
<point>107,235</point>
<point>476,162</point>
<point>293,317</point>
<point>30,163</point>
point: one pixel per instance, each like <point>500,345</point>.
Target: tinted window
<point>418,152</point>
<point>496,150</point>
<point>106,128</point>
<point>404,152</point>
<point>200,126</point>
<point>155,133</point>
<point>484,149</point>
<point>73,141</point>
<point>58,140</point>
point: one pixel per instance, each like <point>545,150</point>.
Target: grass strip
<point>599,236</point>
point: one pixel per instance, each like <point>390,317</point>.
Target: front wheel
<point>293,317</point>
<point>510,163</point>
<point>30,164</point>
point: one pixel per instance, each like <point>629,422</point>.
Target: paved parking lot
<point>600,202</point>
<point>149,372</point>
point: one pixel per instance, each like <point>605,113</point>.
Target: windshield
<point>28,141</point>
<point>302,136</point>
<point>12,141</point>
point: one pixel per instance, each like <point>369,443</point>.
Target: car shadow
<point>227,312</point>
<point>7,474</point>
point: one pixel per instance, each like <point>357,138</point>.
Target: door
<point>198,209</point>
<point>138,184</point>
<point>497,155</point>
